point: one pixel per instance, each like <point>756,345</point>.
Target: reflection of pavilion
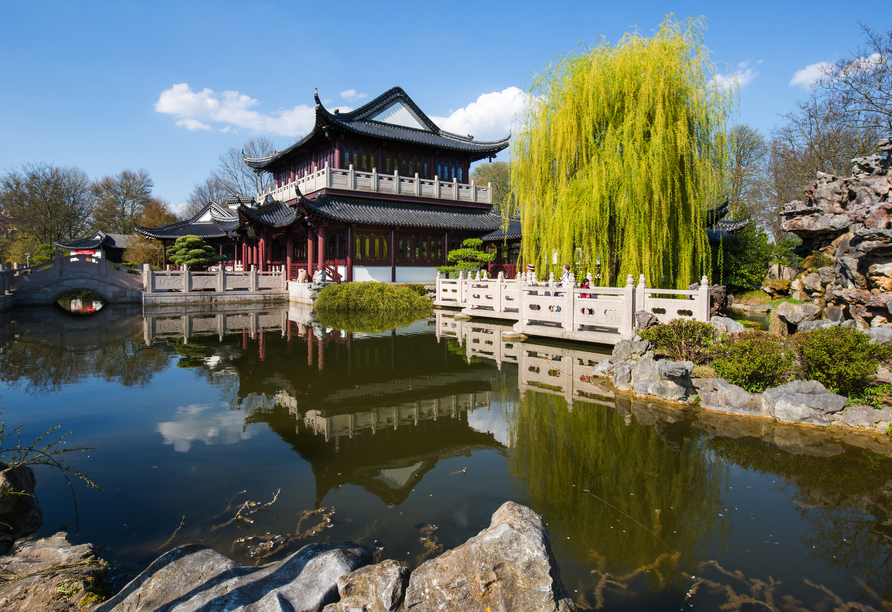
<point>545,369</point>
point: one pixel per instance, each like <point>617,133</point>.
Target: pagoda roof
<point>513,232</point>
<point>97,241</point>
<point>369,211</point>
<point>272,213</point>
<point>212,221</point>
<point>391,116</point>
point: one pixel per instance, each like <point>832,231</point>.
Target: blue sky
<point>168,86</point>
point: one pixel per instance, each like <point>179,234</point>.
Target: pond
<point>408,440</point>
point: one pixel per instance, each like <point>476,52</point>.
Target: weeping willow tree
<point>620,151</point>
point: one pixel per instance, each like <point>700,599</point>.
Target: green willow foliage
<point>620,151</point>
<point>620,496</point>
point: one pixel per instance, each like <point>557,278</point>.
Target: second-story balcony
<point>391,184</point>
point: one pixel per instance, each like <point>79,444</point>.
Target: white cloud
<point>195,424</point>
<point>741,77</point>
<point>489,118</point>
<point>200,110</point>
<point>810,75</point>
<point>350,95</point>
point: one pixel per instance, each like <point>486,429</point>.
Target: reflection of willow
<point>47,366</point>
<point>845,499</point>
<point>368,322</point>
<point>618,492</point>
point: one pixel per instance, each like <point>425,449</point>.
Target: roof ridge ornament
<point>316,96</point>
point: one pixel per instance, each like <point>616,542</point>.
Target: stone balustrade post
<point>374,179</point>
<point>253,286</point>
<point>221,280</point>
<point>417,185</point>
<point>629,306</point>
<point>186,279</point>
<point>703,305</point>
<point>454,188</point>
<point>147,278</point>
<point>639,295</point>
<point>327,179</point>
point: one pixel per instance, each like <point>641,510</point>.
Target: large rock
<point>645,370</point>
<point>724,325</point>
<point>19,513</point>
<point>803,401</point>
<point>508,566</point>
<point>797,313</point>
<point>196,578</point>
<point>662,389</point>
<point>373,588</point>
<point>52,576</point>
<point>718,395</point>
<point>605,368</point>
<point>846,223</point>
<point>622,375</point>
<point>634,348</point>
<point>865,417</point>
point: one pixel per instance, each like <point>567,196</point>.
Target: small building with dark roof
<point>109,246</point>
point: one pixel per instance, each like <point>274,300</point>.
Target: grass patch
<point>752,297</point>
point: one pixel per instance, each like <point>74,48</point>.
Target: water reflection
<point>81,302</point>
<point>438,423</point>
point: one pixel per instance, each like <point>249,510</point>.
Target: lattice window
<point>372,248</point>
<point>449,169</point>
<point>424,249</point>
<point>362,158</point>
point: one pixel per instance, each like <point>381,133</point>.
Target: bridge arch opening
<point>81,302</point>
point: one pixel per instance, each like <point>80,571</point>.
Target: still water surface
<point>407,441</point>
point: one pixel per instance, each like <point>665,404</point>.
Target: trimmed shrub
<point>683,340</point>
<point>416,288</point>
<point>841,358</point>
<point>367,322</point>
<point>754,360</point>
<point>371,297</point>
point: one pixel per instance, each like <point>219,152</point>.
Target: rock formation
<point>19,513</point>
<point>847,225</point>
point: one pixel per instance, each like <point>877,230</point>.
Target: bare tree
<point>142,250</point>
<point>46,203</point>
<point>748,153</point>
<point>121,199</point>
<point>862,85</point>
<point>238,179</point>
<point>211,190</point>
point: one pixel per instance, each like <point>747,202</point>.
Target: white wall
<point>416,275</point>
<point>405,274</point>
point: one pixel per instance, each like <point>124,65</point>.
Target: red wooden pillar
<point>320,245</point>
<point>350,248</point>
<point>289,255</point>
<point>244,256</point>
<point>393,255</point>
<point>163,255</point>
<point>310,251</point>
<point>261,247</point>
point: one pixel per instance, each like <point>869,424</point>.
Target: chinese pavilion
<point>378,193</point>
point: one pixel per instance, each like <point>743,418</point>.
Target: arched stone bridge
<point>45,283</point>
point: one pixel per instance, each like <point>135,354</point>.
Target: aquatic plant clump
<point>620,151</point>
<point>371,297</point>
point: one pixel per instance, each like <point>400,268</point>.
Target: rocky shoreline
<point>633,369</point>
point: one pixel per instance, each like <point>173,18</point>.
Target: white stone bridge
<point>43,284</point>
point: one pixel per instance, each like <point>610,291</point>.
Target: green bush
<point>754,360</point>
<point>683,340</point>
<point>415,288</point>
<point>841,358</point>
<point>371,297</point>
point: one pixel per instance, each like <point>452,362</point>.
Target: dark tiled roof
<point>725,229</point>
<point>501,234</point>
<point>388,212</point>
<point>98,240</point>
<point>360,121</point>
<point>272,213</point>
<point>212,221</point>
